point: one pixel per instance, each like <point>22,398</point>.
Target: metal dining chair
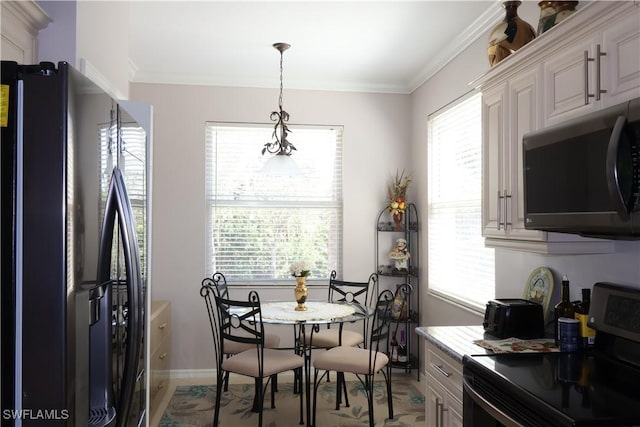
<point>364,362</point>
<point>239,322</point>
<point>351,292</point>
<point>221,289</point>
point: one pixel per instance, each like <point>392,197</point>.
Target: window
<point>130,158</point>
<point>258,225</point>
<point>460,267</point>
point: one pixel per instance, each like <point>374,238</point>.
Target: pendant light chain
<point>281,81</point>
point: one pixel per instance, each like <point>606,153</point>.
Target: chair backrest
<point>378,340</point>
<point>352,292</point>
<point>400,309</point>
<point>220,282</point>
<point>240,321</point>
<point>211,288</point>
<point>208,291</point>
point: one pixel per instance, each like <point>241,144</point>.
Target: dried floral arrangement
<point>396,191</point>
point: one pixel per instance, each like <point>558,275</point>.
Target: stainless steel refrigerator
<point>74,180</point>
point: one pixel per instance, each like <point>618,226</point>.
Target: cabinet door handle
<point>587,95</point>
<point>506,212</point>
<point>599,90</point>
<point>499,208</point>
<point>162,326</point>
<point>440,410</point>
<point>440,370</point>
<point>162,356</point>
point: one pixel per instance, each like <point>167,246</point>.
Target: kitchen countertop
<point>456,341</point>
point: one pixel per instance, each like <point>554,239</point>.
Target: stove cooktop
<point>595,387</point>
<point>581,388</point>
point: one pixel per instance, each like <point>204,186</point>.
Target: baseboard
<point>183,374</point>
<point>186,374</point>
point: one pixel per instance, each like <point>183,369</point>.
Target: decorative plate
<point>539,288</point>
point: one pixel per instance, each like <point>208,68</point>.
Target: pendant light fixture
<point>281,164</point>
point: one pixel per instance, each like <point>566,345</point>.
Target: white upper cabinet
<point>599,69</point>
<point>546,82</point>
<point>21,21</point>
<point>509,111</point>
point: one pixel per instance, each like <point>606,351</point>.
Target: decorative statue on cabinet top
<point>509,35</point>
<point>397,191</point>
<point>400,254</point>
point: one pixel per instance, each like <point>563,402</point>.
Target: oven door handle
<point>489,407</point>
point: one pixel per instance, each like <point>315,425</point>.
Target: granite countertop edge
<point>455,341</point>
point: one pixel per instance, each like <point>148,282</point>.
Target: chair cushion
<point>275,361</point>
<point>328,338</point>
<point>350,359</point>
<point>233,347</point>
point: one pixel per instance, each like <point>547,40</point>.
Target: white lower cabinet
<point>443,410</point>
<point>443,406</point>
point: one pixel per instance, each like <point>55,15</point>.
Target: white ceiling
<point>374,46</point>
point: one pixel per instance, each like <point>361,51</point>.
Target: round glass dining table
<point>317,313</point>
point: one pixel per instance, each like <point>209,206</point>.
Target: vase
<point>509,35</point>
<point>554,12</point>
<point>397,221</point>
<point>301,293</point>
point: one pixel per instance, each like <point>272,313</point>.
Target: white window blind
<point>258,225</point>
<point>460,267</point>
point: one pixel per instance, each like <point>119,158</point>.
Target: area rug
<point>192,406</point>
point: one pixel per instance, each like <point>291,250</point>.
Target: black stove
<point>596,387</point>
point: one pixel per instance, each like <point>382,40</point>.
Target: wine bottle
<point>394,348</point>
<point>564,308</point>
<point>587,334</point>
<point>402,348</point>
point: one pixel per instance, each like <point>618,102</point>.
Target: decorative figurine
<point>400,254</point>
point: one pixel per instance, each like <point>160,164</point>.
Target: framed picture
<point>539,288</point>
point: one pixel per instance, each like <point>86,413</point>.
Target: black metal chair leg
<point>301,405</point>
<point>216,413</point>
<point>226,381</point>
<point>370,400</point>
<point>338,391</point>
<point>344,388</point>
<point>273,391</point>
<point>389,396</point>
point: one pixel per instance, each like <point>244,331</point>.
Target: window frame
<point>214,199</point>
<point>437,289</point>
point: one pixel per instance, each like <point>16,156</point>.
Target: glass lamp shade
<point>281,165</point>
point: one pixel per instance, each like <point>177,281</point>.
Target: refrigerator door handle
<point>118,203</point>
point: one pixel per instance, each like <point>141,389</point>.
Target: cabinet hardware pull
<point>506,212</point>
<point>161,386</point>
<point>162,356</point>
<point>440,370</point>
<point>499,209</point>
<point>599,54</point>
<point>587,95</point>
<point>440,410</point>
<point>162,325</point>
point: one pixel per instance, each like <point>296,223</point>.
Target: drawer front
<point>160,323</point>
<point>445,370</point>
<point>160,362</point>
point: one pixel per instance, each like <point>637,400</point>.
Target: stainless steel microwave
<point>583,176</point>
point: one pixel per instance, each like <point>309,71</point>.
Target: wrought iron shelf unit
<point>403,281</point>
